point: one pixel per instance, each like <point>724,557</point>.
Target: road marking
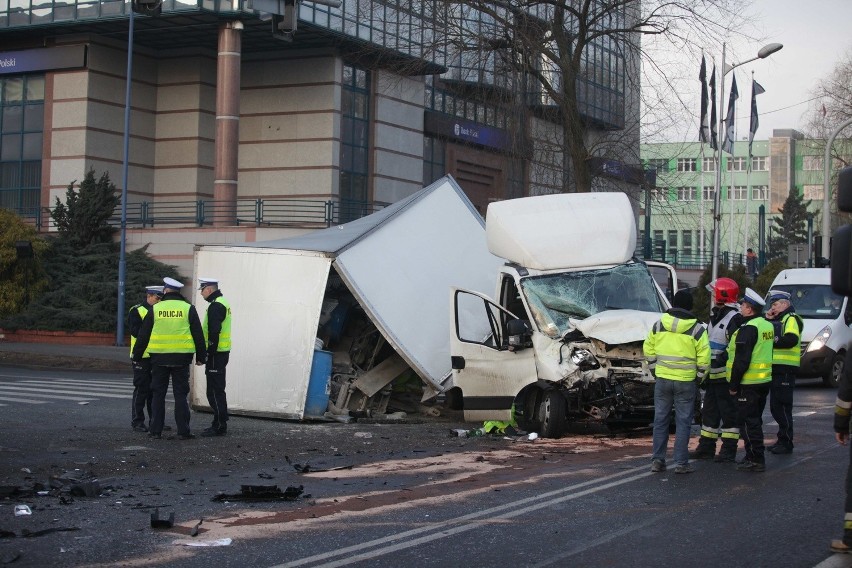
<point>61,397</point>
<point>469,522</point>
<point>75,384</point>
<point>24,400</point>
<point>836,561</point>
<point>804,413</point>
<point>31,390</point>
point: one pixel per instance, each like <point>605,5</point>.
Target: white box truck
<point>572,309</point>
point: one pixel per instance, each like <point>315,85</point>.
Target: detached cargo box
<point>374,291</point>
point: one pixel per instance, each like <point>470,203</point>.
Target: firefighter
<point>842,415</point>
<point>786,354</point>
<point>678,352</point>
<point>749,373</point>
<point>719,409</point>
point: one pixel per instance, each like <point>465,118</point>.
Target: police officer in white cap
<point>171,332</point>
<point>217,332</point>
<point>749,373</point>
<point>786,358</point>
<point>142,369</point>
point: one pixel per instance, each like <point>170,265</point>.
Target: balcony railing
<point>305,213</point>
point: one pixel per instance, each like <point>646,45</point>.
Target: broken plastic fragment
<point>217,542</point>
<point>23,510</point>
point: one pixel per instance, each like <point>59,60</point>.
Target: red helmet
<point>725,291</point>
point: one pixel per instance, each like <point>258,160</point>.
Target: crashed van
<point>572,307</point>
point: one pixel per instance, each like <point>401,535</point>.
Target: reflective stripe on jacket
<point>143,311</point>
<point>790,323</point>
<point>760,366</point>
<point>225,332</point>
<point>677,349</point>
<point>718,335</point>
<point>171,333</point>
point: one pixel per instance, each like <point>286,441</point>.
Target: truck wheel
<point>832,377</point>
<point>551,415</point>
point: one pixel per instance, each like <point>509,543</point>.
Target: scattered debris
<point>85,489</point>
<point>308,469</point>
<point>26,470</point>
<point>263,475</point>
<point>31,534</point>
<point>363,435</point>
<point>262,493</point>
<point>23,510</point>
<point>158,523</point>
<point>194,531</point>
<point>217,542</point>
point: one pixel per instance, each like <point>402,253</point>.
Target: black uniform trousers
<point>751,402</point>
<point>718,410</point>
<point>160,375</point>
<point>216,398</point>
<point>781,402</point>
<point>847,521</point>
<point>142,393</point>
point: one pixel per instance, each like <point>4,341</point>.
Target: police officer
<point>217,333</point>
<point>842,416</point>
<point>678,351</point>
<point>719,409</point>
<point>785,360</point>
<point>749,372</point>
<point>141,370</point>
<point>171,332</point>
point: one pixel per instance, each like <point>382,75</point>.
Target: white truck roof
<point>803,276</point>
<point>566,230</point>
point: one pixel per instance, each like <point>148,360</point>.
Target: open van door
<point>488,371</point>
<point>665,276</point>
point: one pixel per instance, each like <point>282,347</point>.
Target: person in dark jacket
<point>172,333</point>
<point>842,415</point>
<point>217,332</point>
<point>142,370</point>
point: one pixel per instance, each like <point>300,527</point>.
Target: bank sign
<point>467,131</point>
<point>43,59</point>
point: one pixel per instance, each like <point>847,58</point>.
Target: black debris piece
<point>308,469</point>
<point>158,523</point>
<point>30,534</point>
<point>197,526</point>
<point>85,489</point>
<point>262,493</point>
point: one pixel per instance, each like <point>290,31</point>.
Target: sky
<point>815,35</point>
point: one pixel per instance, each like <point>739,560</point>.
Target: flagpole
<point>701,207</point>
<point>751,129</point>
<point>731,194</point>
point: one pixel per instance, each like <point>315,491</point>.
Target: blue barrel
<point>319,385</point>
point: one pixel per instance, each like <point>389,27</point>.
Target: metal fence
<point>308,213</point>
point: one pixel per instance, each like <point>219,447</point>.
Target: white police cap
<point>775,295</point>
<point>202,282</point>
<point>172,283</point>
<point>753,298</point>
<point>158,290</point>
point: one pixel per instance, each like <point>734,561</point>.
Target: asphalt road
<point>392,494</point>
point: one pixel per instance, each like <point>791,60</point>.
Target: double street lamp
<point>764,52</point>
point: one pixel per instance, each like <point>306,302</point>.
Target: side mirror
<point>520,334</point>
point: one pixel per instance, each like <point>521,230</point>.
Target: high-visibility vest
<point>677,349</point>
<point>718,336</point>
<point>171,333</point>
<point>760,368</point>
<point>225,332</point>
<point>790,323</point>
<point>143,311</point>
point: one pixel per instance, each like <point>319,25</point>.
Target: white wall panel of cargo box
<point>398,263</point>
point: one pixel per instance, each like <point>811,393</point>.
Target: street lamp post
<point>122,258</point>
<point>764,52</point>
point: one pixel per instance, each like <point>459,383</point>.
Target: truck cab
<point>572,309</point>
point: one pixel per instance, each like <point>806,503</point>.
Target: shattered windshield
<point>553,298</point>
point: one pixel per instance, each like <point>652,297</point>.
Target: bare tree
<point>573,58</point>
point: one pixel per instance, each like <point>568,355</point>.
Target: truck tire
<point>832,376</point>
<point>551,415</point>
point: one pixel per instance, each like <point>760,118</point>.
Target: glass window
<point>659,164</point>
<point>814,192</point>
<point>758,163</point>
<point>686,241</point>
<point>686,164</point>
<point>740,192</point>
<point>659,194</point>
<point>672,240</point>
<point>737,164</point>
<point>812,163</point>
<point>708,164</point>
<point>686,193</point>
<point>708,193</point>
<point>354,143</point>
<point>761,192</point>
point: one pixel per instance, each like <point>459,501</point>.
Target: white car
<point>827,335</point>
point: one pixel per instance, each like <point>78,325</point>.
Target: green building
<point>681,201</point>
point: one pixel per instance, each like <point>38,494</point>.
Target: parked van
<point>571,311</point>
<point>827,335</point>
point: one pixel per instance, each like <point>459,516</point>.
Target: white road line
<point>803,413</point>
<point>836,561</point>
<point>42,377</point>
<point>469,522</point>
<point>31,390</point>
<point>61,397</point>
<point>69,384</point>
<point>24,400</point>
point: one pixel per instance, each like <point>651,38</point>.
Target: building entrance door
<point>480,174</point>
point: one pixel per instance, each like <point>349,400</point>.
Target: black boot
<point>705,450</point>
<point>728,453</point>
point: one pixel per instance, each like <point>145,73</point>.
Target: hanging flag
<point>703,133</point>
<point>756,89</point>
<point>714,134</point>
<point>728,144</point>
